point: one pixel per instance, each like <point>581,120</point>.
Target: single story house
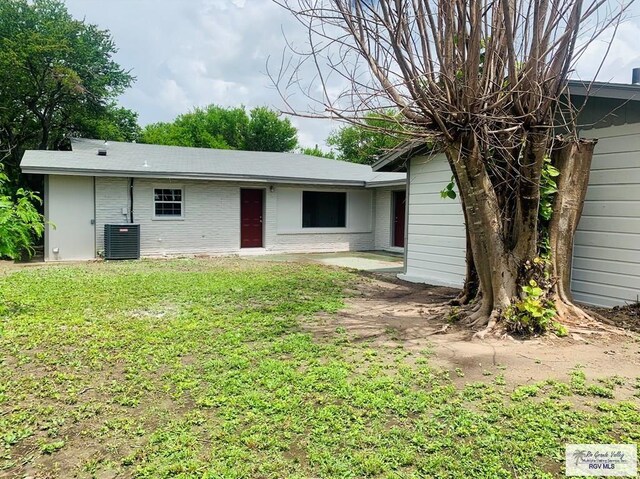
<point>206,201</point>
<point>606,258</point>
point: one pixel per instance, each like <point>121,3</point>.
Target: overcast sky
<point>188,53</point>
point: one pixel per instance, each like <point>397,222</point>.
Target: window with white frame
<point>168,202</point>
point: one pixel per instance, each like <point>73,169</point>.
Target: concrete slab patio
<point>372,261</point>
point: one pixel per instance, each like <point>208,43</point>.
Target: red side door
<point>251,211</point>
<point>399,210</point>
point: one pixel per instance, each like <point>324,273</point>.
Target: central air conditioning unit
<point>122,241</point>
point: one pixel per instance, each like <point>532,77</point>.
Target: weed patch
<point>192,368</point>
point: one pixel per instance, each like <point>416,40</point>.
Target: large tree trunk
<point>573,160</point>
<point>502,231</point>
<point>496,267</point>
<point>471,288</point>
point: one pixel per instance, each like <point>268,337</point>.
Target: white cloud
<point>197,52</point>
<point>174,97</point>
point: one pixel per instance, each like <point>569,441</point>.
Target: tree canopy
<point>260,129</point>
<point>112,122</point>
<point>56,73</point>
<point>317,151</point>
<point>365,143</point>
<point>267,132</point>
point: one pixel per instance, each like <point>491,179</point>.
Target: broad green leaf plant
<point>20,222</point>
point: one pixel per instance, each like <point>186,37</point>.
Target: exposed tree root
<point>573,316</point>
<point>491,324</point>
<point>466,296</point>
<point>570,315</point>
<point>461,300</point>
<point>478,319</point>
<point>480,314</point>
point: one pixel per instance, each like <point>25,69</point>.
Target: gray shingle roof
<point>140,160</point>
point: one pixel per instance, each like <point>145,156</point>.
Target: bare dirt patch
<point>627,316</point>
<point>417,318</point>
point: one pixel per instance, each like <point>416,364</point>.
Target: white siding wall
<point>211,222</point>
<point>606,259</point>
<point>70,210</point>
<point>436,235</point>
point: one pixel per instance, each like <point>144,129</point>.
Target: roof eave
<point>189,176</point>
<point>617,91</point>
<point>395,160</point>
<point>381,184</point>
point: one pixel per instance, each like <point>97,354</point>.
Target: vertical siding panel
<point>435,225</point>
<point>606,259</point>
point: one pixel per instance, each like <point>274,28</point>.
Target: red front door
<point>251,210</point>
<point>399,209</point>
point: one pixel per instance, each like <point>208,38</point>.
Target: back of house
<point>205,201</point>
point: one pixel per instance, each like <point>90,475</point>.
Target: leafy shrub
<point>20,222</point>
<point>448,191</point>
<point>548,189</point>
<point>533,313</point>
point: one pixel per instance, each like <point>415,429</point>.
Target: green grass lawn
<point>201,368</point>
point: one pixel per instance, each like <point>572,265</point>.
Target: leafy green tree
<point>54,70</point>
<point>210,127</point>
<point>110,123</point>
<point>163,133</point>
<point>225,128</point>
<point>316,151</point>
<point>20,222</point>
<point>359,144</point>
<point>268,132</point>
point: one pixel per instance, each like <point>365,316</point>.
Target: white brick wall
<point>111,197</point>
<point>211,222</point>
<point>383,218</point>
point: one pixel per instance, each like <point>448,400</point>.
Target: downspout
<point>130,200</point>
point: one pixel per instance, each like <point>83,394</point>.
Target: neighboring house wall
<point>436,233</point>
<point>69,209</point>
<point>384,218</point>
<point>211,222</point>
<point>606,261</point>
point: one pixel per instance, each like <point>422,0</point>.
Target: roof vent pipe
<point>635,76</point>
